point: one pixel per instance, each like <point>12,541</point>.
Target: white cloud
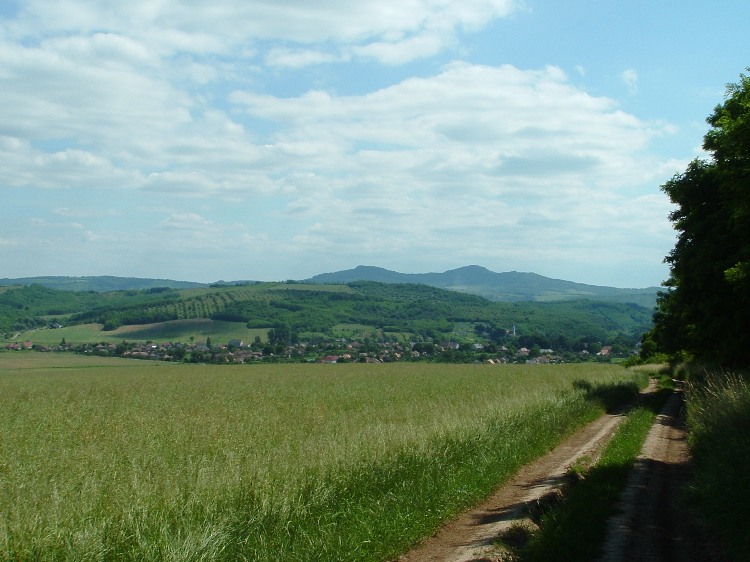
<point>299,58</point>
<point>477,121</point>
<point>56,95</point>
<point>85,213</point>
<point>185,221</point>
<point>404,50</point>
<point>629,77</point>
<point>168,26</point>
<point>150,105</point>
<point>467,154</point>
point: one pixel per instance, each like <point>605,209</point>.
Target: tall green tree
<point>706,309</point>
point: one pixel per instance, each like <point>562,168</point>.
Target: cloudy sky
<point>276,139</point>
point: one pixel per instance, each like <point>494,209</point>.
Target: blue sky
<point>273,140</point>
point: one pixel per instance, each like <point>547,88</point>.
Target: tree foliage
<point>706,309</point>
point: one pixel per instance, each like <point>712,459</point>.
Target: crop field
<point>110,459</point>
<point>176,330</point>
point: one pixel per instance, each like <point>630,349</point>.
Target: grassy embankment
<point>128,460</point>
<point>719,436</point>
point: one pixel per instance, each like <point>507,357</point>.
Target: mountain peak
<point>509,286</point>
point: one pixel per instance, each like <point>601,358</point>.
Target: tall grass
<point>284,462</point>
<point>719,436</point>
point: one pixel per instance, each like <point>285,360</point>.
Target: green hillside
<point>508,287</point>
<point>32,306</point>
<point>505,287</point>
<point>375,309</point>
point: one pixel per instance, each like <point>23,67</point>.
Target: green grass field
<point>110,459</point>
<point>177,330</point>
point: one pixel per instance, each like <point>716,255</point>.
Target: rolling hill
<point>318,311</point>
<point>98,283</point>
<point>512,286</point>
<point>506,287</point>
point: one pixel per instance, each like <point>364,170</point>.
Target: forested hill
<point>313,309</point>
<point>509,286</point>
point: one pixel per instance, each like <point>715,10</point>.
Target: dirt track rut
<point>470,536</point>
<point>653,523</point>
<point>652,526</point>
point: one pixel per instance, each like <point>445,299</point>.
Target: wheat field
<point>107,459</point>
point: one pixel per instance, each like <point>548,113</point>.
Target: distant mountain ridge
<point>99,283</point>
<point>508,287</point>
<point>512,286</point>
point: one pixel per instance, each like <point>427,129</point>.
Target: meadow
<point>110,459</point>
<point>176,330</point>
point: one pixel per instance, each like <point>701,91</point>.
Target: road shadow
<point>614,397</point>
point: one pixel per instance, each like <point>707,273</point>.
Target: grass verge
<point>719,437</point>
<point>575,528</point>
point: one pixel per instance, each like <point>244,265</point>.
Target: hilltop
<point>509,286</point>
<point>505,287</point>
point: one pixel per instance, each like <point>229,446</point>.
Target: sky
<point>274,139</point>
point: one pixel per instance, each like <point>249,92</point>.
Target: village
<point>339,350</point>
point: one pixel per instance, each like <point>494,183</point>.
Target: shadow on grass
<point>575,528</point>
<point>611,396</point>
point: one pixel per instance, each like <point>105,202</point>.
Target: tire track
<point>654,524</point>
<point>470,537</point>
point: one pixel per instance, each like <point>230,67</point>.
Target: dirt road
<point>654,523</point>
<point>651,527</point>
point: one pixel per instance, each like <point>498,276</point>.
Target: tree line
<point>704,313</point>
